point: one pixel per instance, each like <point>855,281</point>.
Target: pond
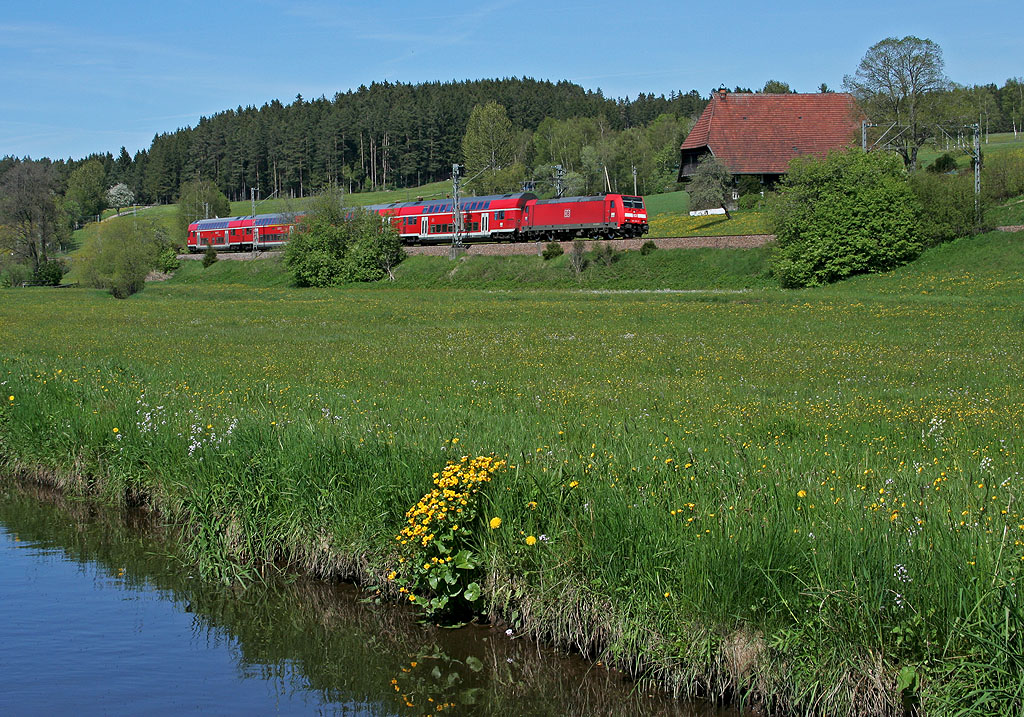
<point>97,615</point>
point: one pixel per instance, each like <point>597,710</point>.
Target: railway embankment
<point>748,241</point>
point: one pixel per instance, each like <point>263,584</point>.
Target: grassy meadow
<point>809,499</point>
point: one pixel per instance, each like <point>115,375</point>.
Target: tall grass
<point>793,498</point>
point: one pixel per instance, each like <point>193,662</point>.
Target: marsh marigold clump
<point>437,542</point>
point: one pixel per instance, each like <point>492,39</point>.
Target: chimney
<point>722,92</point>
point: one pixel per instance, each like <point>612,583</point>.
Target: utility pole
<point>974,150</point>
<point>977,175</point>
<point>457,170</point>
<point>634,180</point>
<point>559,176</point>
<point>252,199</point>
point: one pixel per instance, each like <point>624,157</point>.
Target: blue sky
<point>82,77</point>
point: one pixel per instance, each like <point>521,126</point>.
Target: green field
<point>997,143</point>
<point>789,496</point>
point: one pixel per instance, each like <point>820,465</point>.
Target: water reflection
<point>93,605</point>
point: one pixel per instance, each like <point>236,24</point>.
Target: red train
<point>501,217</point>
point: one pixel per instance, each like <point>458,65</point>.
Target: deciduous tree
<point>489,147</point>
<point>901,80</point>
<point>200,199</point>
<point>120,196</point>
<point>86,189</point>
<point>32,213</point>
<point>776,87</point>
<point>709,184</point>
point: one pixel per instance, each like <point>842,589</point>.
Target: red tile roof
<point>760,133</point>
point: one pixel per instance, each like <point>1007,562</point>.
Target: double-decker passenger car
<point>492,218</point>
<point>242,233</point>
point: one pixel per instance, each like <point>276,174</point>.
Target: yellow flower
<point>801,494</point>
<point>10,398</point>
<point>574,483</point>
<point>530,540</point>
<point>115,430</point>
<point>495,523</point>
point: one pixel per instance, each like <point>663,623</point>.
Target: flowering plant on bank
<point>438,562</point>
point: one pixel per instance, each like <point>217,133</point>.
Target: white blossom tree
<point>120,196</point>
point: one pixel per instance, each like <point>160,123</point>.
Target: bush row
<point>855,212</point>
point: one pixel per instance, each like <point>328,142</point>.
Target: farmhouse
<point>758,134</point>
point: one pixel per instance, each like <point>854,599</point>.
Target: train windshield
<point>633,202</point>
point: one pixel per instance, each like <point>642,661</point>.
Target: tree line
<point>386,135</point>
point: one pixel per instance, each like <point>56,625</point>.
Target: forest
<point>385,135</point>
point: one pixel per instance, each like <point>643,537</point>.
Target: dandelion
<point>10,398</point>
<point>495,523</point>
<point>801,494</point>
<point>115,429</point>
<point>530,540</point>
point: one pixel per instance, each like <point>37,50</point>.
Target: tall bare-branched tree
<point>901,80</point>
<point>33,214</point>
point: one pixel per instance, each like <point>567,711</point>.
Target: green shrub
<point>121,255</point>
<point>1002,176</point>
<point>749,201</point>
<point>209,256</point>
<point>943,164</point>
<point>604,254</point>
<point>749,184</point>
<point>577,257</point>
<point>847,214</point>
<point>333,245</point>
<point>167,261</point>
<point>15,275</point>
<point>647,247</point>
<point>947,203</point>
<point>552,250</point>
<point>48,273</point>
